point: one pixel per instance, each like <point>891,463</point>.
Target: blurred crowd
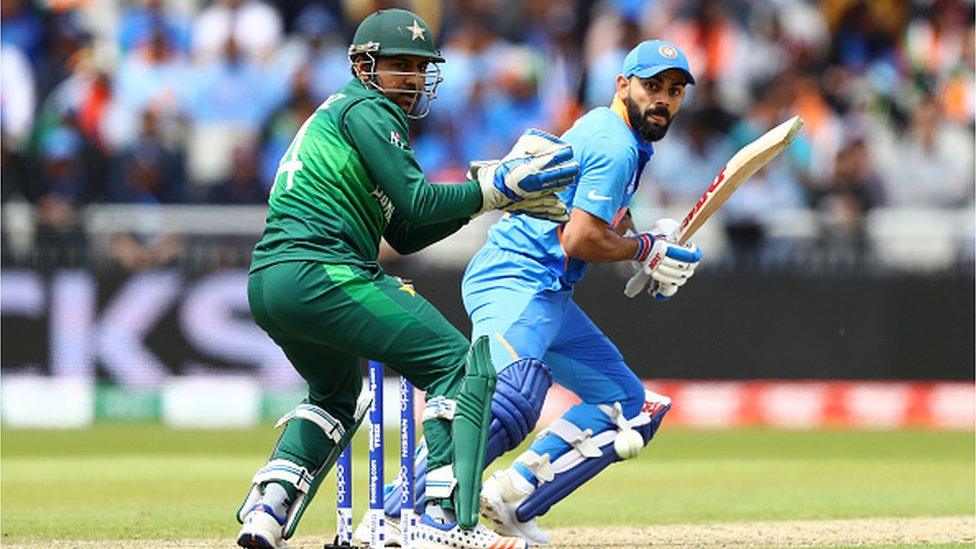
<point>193,101</point>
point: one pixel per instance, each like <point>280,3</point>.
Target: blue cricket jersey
<point>611,157</point>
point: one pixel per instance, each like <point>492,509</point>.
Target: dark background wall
<point>726,326</point>
<point>720,326</point>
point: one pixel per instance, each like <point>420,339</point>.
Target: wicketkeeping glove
<point>668,264</point>
<point>527,178</point>
<point>546,206</point>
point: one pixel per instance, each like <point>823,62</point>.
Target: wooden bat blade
<point>743,165</point>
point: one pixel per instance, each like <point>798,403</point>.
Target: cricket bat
<point>743,165</point>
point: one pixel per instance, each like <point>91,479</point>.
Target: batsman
<point>518,292</point>
<point>348,179</point>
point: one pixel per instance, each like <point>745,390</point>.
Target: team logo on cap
<point>416,31</point>
<point>668,51</point>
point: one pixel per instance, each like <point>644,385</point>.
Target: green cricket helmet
<point>394,32</point>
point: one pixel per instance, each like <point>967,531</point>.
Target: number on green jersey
<point>290,164</point>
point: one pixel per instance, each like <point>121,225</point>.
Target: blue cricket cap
<point>653,57</point>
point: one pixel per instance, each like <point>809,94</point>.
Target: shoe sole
<point>430,537</point>
<point>253,541</point>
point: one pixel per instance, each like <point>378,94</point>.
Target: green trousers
<point>328,317</point>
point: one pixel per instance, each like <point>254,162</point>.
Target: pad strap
<point>440,482</point>
<point>539,465</point>
<point>439,407</point>
<point>616,414</point>
<point>306,482</point>
<point>598,441</point>
<point>579,439</point>
<point>329,425</point>
<point>285,471</point>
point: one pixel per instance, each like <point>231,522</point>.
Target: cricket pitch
<point>795,533</point>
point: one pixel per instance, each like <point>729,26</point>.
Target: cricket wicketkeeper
<point>348,179</point>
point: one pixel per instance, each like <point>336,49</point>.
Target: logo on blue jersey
<point>632,186</point>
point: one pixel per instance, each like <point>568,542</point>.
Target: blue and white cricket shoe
<point>431,534</point>
<point>262,529</point>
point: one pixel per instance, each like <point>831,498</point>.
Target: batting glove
<point>668,265</point>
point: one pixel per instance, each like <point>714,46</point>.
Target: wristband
<point>644,244</point>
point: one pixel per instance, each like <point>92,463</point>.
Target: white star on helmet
<point>416,31</point>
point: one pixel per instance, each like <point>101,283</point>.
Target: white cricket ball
<point>628,443</point>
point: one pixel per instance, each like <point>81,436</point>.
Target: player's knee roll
<point>519,393</point>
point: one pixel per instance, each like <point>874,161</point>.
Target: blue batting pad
<point>519,393</point>
<point>565,482</point>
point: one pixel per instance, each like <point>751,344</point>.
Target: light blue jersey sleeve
<point>608,164</point>
<point>602,185</point>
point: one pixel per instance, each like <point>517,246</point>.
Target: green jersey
<point>349,178</point>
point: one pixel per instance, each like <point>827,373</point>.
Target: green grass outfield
<point>147,482</point>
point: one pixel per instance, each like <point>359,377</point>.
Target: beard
<point>644,127</point>
<point>405,100</point>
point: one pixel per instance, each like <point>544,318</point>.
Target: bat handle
<point>636,283</point>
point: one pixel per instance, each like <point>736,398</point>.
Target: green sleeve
<point>407,238</point>
<point>378,131</point>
